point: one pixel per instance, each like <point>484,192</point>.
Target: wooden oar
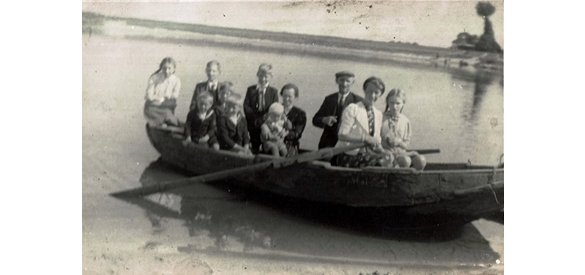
<point>426,151</point>
<point>306,157</point>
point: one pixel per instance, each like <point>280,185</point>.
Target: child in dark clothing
<point>219,106</point>
<point>201,123</point>
<point>232,130</point>
<point>256,102</point>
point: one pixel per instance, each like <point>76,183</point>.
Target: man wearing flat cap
<point>330,112</point>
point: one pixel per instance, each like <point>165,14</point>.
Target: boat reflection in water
<point>222,218</point>
<point>221,210</point>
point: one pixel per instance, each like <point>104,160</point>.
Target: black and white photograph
<point>293,137</point>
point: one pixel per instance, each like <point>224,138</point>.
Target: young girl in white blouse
<point>161,95</point>
<point>396,132</point>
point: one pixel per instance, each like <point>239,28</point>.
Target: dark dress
<point>254,112</point>
<point>199,128</point>
<point>330,108</point>
<point>229,134</point>
<point>298,118</point>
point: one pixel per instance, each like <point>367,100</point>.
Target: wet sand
<point>209,229</point>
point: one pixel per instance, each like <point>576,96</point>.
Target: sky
<point>429,23</point>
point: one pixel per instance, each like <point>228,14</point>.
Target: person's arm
<point>223,133</point>
<point>212,127</point>
<point>265,133</point>
<point>150,88</point>
<point>176,88</point>
<point>187,131</point>
<point>193,99</point>
<point>348,118</point>
<point>318,118</point>
<point>246,137</point>
<point>275,97</point>
<point>384,134</point>
<point>248,109</point>
<point>298,126</point>
<point>405,142</point>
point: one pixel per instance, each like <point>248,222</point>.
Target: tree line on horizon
<point>486,42</point>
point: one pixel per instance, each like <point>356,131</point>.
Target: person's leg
<point>403,161</point>
<point>215,146</point>
<point>282,149</point>
<point>419,162</point>
<point>386,160</point>
<point>291,150</point>
<point>274,149</point>
<point>254,137</point>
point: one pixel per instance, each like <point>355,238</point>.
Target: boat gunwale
<point>327,165</point>
<point>382,170</point>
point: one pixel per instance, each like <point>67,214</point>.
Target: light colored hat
<point>276,108</point>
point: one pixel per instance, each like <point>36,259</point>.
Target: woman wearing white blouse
<point>361,122</point>
<point>161,95</point>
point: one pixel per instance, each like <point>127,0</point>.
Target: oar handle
<point>163,187</point>
<point>320,154</point>
<point>425,151</point>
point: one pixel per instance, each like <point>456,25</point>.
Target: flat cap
<point>344,73</point>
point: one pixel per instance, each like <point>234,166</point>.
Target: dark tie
<point>370,119</point>
<point>260,99</point>
<point>339,109</point>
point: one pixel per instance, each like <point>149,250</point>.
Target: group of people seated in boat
<point>261,123</point>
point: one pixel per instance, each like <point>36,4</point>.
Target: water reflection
<point>481,81</point>
<point>233,219</point>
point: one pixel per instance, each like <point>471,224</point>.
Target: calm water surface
<point>457,111</point>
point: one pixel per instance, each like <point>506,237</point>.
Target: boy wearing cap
<point>274,130</point>
<point>329,115</point>
<point>258,98</point>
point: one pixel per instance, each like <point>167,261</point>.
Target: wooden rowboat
<point>443,192</point>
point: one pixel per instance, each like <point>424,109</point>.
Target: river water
<point>212,230</point>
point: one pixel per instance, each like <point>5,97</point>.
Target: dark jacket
<point>229,134</point>
<point>197,128</point>
<point>298,118</point>
<point>200,88</point>
<point>252,105</point>
<point>329,108</point>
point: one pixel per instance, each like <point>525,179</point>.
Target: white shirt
<point>262,88</point>
<point>212,86</point>
<point>354,121</point>
<point>160,87</point>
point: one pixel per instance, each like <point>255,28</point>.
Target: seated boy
<point>200,126</point>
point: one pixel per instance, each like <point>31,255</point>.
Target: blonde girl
<point>397,130</point>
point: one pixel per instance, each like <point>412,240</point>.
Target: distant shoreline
<point>323,46</point>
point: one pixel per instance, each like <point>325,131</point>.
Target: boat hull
<point>443,192</point>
